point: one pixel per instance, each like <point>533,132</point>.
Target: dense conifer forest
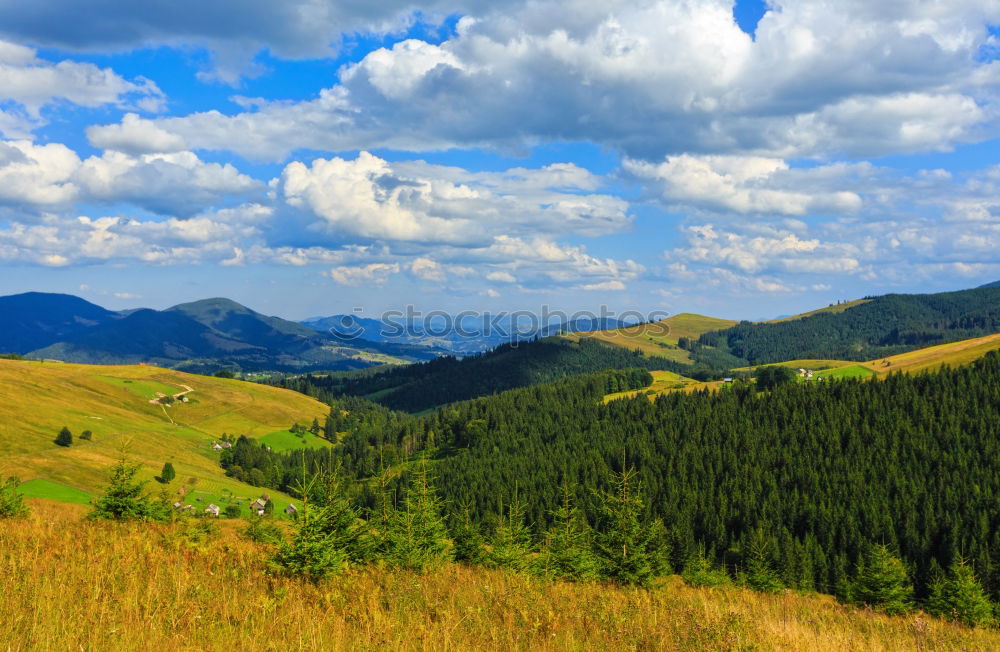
<point>798,482</point>
<point>883,326</point>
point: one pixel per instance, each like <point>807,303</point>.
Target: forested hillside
<point>883,326</point>
<point>801,479</point>
<point>418,387</point>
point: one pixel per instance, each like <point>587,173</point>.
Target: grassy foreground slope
<point>660,338</point>
<point>114,404</point>
<point>81,585</point>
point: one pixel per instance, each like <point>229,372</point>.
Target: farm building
<point>292,510</point>
<point>212,510</point>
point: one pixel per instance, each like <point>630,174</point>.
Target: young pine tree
<point>167,474</point>
<point>64,438</point>
<point>760,574</point>
<point>416,536</point>
<point>11,501</point>
<point>629,548</point>
<point>328,537</point>
<point>510,546</point>
<point>883,583</point>
<point>959,596</point>
<point>699,571</point>
<point>568,552</point>
<point>467,538</point>
<point>125,498</point>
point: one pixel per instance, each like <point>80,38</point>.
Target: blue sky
<point>743,160</point>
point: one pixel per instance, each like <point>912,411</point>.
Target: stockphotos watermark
<point>500,326</point>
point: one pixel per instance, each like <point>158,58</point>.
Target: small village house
<point>257,506</point>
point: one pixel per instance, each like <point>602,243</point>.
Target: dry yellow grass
<point>813,365</point>
<point>953,353</point>
<point>660,338</point>
<point>72,585</point>
<point>663,381</point>
<point>41,398</point>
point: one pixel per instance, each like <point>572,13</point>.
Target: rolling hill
<point>420,387</point>
<point>114,403</point>
<point>879,327</point>
<point>660,338</point>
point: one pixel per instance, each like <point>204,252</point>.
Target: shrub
<point>64,438</point>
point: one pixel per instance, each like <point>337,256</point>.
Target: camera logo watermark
<point>501,327</point>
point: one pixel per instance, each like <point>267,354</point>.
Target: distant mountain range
<point>204,336</point>
<point>200,336</point>
<point>471,336</point>
<point>207,335</point>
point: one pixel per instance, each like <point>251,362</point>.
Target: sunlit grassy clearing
<point>284,440</point>
<point>932,357</point>
<point>47,490</point>
<point>853,371</point>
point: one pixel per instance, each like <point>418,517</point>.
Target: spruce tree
<point>760,574</point>
<point>630,549</point>
<point>11,501</point>
<point>510,545</point>
<point>328,537</point>
<point>960,597</point>
<point>125,498</point>
<point>417,537</point>
<point>883,583</point>
<point>64,438</point>
<point>567,552</point>
<point>468,540</point>
<point>699,571</point>
<point>167,474</point>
